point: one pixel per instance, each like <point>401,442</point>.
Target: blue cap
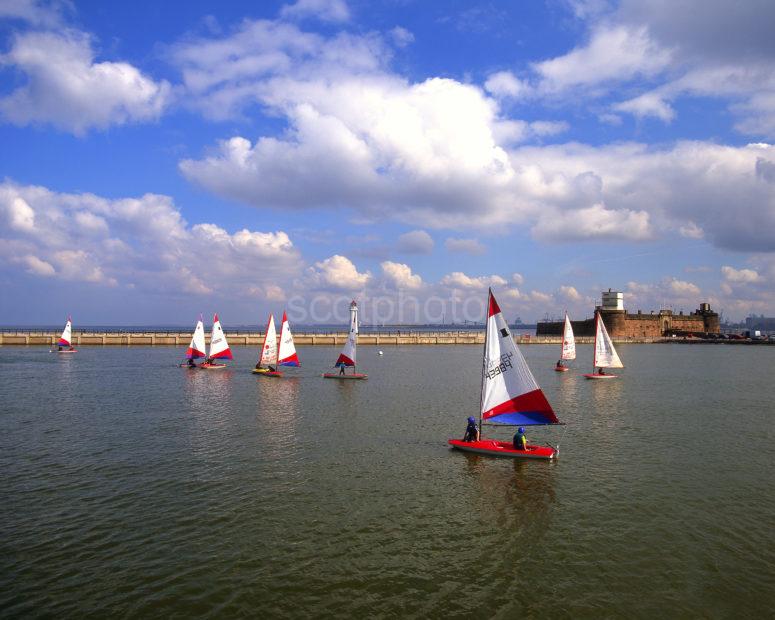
<point>471,420</point>
<point>521,430</point>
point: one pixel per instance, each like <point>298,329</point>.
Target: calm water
<point>134,488</point>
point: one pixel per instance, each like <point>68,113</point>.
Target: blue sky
<point>165,159</point>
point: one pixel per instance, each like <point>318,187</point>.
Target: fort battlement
<point>622,324</point>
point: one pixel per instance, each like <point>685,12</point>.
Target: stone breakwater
<point>237,338</point>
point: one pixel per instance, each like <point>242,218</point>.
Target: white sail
<point>197,346</point>
<point>287,353</point>
<point>66,338</point>
<point>219,348</point>
<point>347,356</point>
<point>269,348</point>
<point>568,341</point>
<point>510,393</point>
<point>605,354</point>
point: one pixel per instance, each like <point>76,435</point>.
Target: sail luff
<point>484,360</point>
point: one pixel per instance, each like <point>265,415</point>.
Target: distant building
<point>622,324</point>
<point>761,323</point>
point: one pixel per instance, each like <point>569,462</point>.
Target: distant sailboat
<point>605,353</point>
<point>271,357</point>
<point>196,347</point>
<point>346,358</point>
<point>65,340</point>
<point>219,347</point>
<point>568,346</point>
<point>510,394</point>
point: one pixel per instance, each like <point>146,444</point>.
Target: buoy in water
<point>380,352</point>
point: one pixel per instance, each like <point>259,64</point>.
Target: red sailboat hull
<point>336,375</point>
<point>491,447</point>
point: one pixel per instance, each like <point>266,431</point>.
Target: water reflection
<point>277,412</point>
<point>514,493</point>
<point>208,396</point>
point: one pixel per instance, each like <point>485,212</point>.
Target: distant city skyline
<point>162,160</point>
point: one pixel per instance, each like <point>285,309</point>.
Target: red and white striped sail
<point>287,354</point>
<point>219,348</point>
<point>269,348</point>
<point>66,337</point>
<point>197,346</point>
<point>510,394</point>
<point>605,354</point>
<point>568,341</point>
<point>347,356</point>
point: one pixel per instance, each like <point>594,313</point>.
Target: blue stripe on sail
<point>523,418</point>
<point>288,364</point>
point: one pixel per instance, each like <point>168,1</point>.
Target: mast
<point>597,331</point>
<point>354,328</point>
<point>484,361</point>
<point>562,346</point>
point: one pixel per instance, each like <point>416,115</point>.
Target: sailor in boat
<point>341,369</point>
<point>520,441</point>
<point>472,430</point>
<point>559,364</point>
<point>600,371</point>
<point>191,363</point>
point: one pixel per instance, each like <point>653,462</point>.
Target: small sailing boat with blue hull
<point>510,394</point>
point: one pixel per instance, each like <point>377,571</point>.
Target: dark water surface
<point>134,488</point>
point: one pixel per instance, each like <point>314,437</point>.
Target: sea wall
<point>181,339</point>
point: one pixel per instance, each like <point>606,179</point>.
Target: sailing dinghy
<point>568,346</point>
<point>65,340</point>
<point>196,347</point>
<point>268,352</point>
<point>219,347</point>
<point>271,356</point>
<point>346,358</point>
<point>510,394</point>
<point>605,354</point>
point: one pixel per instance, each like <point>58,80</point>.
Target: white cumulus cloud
<point>68,89</point>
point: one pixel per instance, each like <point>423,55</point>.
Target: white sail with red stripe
<point>510,394</point>
<point>269,348</point>
<point>65,339</point>
<point>219,347</point>
<point>197,346</point>
<point>287,354</point>
<point>568,341</point>
<point>347,356</point>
